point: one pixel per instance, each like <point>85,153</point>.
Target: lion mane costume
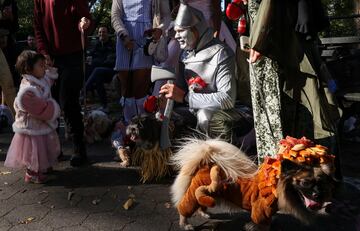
<point>212,169</point>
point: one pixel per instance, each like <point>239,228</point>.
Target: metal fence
<point>341,26</point>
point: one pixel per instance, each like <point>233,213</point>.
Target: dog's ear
<point>329,169</point>
<point>135,119</point>
<point>143,116</point>
<point>288,167</point>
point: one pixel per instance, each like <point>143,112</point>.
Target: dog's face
<point>144,131</point>
<point>314,187</point>
<point>304,188</point>
<point>97,125</point>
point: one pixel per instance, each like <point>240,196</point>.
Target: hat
<point>188,17</point>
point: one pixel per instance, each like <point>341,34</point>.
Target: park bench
<point>342,55</point>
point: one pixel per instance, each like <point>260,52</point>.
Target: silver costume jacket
<point>214,62</point>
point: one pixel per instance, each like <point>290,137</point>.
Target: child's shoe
<point>34,177</point>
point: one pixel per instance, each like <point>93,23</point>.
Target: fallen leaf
<point>70,195</point>
<point>5,173</point>
<point>27,220</point>
<point>96,201</point>
<point>128,203</point>
<point>167,205</point>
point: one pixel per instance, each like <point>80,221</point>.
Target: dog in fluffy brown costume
<point>212,172</point>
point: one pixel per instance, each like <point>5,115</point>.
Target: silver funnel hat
<point>188,17</point>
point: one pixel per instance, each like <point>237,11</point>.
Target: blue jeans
<point>98,77</point>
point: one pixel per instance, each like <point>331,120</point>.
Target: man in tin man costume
<point>206,76</point>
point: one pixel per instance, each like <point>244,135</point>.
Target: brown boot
<point>124,155</point>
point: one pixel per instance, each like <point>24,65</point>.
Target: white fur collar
<point>41,82</point>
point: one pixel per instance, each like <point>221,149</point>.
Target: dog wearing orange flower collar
<point>212,172</point>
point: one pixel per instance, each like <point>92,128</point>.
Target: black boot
<point>79,157</point>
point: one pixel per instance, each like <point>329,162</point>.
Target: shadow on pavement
<point>100,176</point>
<point>94,177</point>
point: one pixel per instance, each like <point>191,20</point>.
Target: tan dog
<point>213,172</point>
<point>97,126</point>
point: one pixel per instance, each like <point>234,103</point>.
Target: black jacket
<point>103,54</point>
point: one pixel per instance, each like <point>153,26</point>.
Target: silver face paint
<point>186,38</point>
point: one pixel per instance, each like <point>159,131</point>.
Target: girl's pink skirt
<point>37,153</point>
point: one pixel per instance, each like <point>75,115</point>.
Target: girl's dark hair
<point>26,61</point>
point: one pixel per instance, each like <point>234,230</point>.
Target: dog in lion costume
<point>212,172</point>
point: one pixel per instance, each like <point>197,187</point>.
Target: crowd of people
<point>289,91</point>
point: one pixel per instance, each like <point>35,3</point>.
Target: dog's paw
<point>184,225</point>
<point>204,214</point>
<point>250,226</point>
<point>187,227</point>
<point>125,164</point>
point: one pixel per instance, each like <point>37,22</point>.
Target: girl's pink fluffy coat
<point>35,152</point>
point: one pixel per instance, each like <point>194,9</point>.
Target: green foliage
<point>341,8</point>
<point>26,11</point>
<point>101,12</point>
<point>100,9</point>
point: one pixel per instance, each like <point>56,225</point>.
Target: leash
<point>84,70</point>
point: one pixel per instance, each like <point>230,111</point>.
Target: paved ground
<point>92,198</point>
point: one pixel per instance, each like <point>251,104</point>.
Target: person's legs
<point>223,124</point>
<point>70,83</point>
<point>140,87</point>
<point>127,101</point>
<point>98,77</point>
<point>6,83</point>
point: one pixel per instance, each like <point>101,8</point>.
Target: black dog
<point>144,130</point>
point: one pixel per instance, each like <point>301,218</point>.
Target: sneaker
<point>79,157</point>
<point>34,177</point>
<point>78,160</point>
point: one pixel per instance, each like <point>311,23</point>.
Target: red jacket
<point>56,25</point>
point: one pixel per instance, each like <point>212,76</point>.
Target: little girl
<point>35,144</point>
